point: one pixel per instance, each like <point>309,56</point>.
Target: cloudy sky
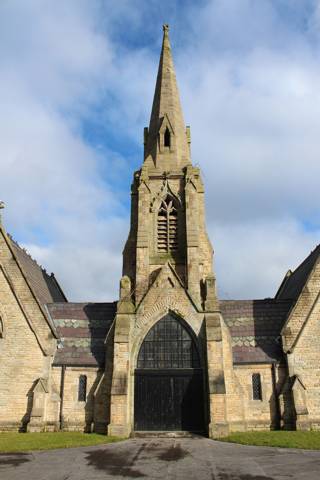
<point>76,86</point>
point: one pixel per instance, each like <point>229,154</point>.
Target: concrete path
<point>163,458</point>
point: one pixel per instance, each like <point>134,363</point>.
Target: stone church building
<point>168,355</point>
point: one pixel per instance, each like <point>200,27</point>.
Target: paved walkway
<point>163,458</point>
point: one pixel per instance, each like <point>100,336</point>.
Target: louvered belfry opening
<point>167,226</point>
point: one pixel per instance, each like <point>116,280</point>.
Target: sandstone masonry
<point>168,354</point>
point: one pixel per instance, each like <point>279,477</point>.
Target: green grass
<point>22,442</point>
<point>285,439</point>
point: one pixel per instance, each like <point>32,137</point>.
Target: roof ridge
<point>305,260</point>
<point>25,251</point>
<point>44,286</point>
<point>293,283</point>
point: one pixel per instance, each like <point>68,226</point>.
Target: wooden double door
<point>169,400</point>
<point>168,393</point>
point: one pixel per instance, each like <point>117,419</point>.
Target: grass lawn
<point>287,439</point>
<point>22,442</point>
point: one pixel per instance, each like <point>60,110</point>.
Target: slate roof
<point>44,286</point>
<point>293,284</point>
<point>82,328</point>
<point>255,327</point>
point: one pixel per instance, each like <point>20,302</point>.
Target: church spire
<point>167,140</point>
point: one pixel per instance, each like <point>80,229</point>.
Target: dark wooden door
<point>169,400</point>
<point>168,381</point>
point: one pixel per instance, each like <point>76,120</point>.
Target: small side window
<point>167,139</point>
<point>256,386</point>
<point>82,388</point>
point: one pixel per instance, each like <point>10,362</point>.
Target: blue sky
<point>76,86</point>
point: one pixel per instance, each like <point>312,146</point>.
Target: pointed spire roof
<point>167,113</point>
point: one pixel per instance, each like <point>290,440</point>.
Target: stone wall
<point>304,363</point>
<point>26,344</point>
<point>77,415</point>
<point>258,414</point>
<point>301,335</point>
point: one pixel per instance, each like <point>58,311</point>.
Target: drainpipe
<point>61,420</point>
<point>276,398</point>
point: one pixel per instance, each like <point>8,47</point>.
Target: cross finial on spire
<point>165,28</point>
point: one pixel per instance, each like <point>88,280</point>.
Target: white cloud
<point>54,60</point>
<point>249,77</point>
<point>89,267</point>
<point>251,258</point>
<point>258,138</point>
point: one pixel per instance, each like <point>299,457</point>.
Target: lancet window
<point>167,225</point>
<point>82,388</point>
<point>256,386</point>
<point>167,138</point>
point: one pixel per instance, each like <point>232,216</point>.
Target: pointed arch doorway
<point>168,393</point>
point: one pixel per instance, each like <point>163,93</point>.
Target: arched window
<point>168,345</point>
<point>82,388</point>
<point>168,392</point>
<point>167,138</point>
<point>167,226</point>
<point>256,386</point>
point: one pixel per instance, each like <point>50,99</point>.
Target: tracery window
<point>168,345</point>
<point>256,386</point>
<point>82,388</point>
<point>167,226</point>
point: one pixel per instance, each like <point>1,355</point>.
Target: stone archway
<point>168,392</point>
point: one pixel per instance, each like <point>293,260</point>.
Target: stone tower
<point>167,259</point>
<point>167,215</point>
